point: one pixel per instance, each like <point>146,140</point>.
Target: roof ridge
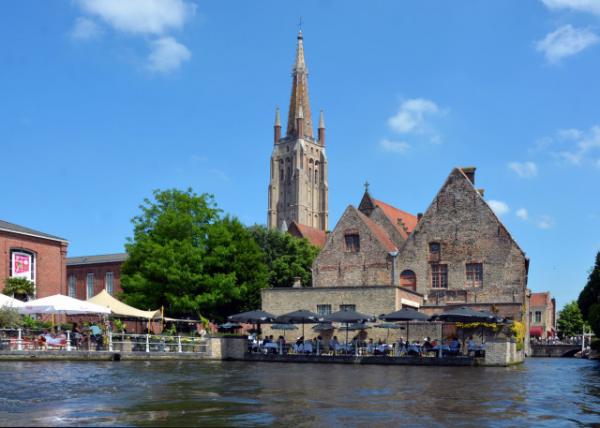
<point>378,231</point>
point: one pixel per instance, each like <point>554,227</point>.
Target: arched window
<point>316,176</point>
<point>408,279</point>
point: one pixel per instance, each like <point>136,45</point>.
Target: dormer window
<point>434,252</point>
<point>352,241</point>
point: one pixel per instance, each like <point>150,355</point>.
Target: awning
<point>536,331</point>
<point>120,309</point>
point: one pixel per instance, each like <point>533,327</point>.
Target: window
<point>108,283</point>
<point>89,286</point>
<point>347,307</point>
<point>72,286</point>
<point>538,317</point>
<point>352,242</point>
<point>323,310</point>
<point>474,274</point>
<point>439,276</point>
<point>434,252</point>
<point>408,279</point>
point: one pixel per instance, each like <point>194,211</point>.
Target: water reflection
<point>543,392</point>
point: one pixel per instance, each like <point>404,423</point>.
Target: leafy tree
<point>9,317</point>
<point>20,288</point>
<point>589,298</point>
<point>287,256</point>
<point>185,257</point>
<point>570,321</point>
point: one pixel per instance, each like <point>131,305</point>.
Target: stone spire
<point>299,97</point>
<point>277,127</point>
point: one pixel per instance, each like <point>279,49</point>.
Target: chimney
<point>469,171</point>
<point>481,192</point>
<point>419,217</point>
<point>297,282</point>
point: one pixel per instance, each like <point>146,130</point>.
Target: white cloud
<point>590,6</point>
<point>524,169</point>
<point>394,146</point>
<point>85,29</point>
<point>220,174</point>
<point>577,146</point>
<point>141,16</point>
<point>499,207</point>
<point>522,214</point>
<point>413,118</point>
<point>167,55</point>
<point>545,222</point>
<point>566,41</point>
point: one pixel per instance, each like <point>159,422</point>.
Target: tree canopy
<point>570,321</point>
<point>188,258</point>
<point>589,298</point>
<point>286,256</point>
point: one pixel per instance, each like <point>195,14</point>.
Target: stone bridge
<point>556,350</point>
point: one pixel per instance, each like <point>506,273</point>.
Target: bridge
<point>556,350</point>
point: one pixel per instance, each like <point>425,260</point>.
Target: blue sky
<point>102,101</point>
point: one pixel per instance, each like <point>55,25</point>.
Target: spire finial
<point>366,187</point>
<point>321,120</point>
<point>300,27</point>
<point>277,117</point>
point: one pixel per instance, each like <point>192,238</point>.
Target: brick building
<point>379,258</point>
<point>88,275</point>
<point>542,315</point>
<point>34,255</point>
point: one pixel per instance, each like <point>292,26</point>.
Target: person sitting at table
<point>427,346</point>
<point>471,347</point>
<point>281,344</point>
<point>371,347</point>
<point>414,349</point>
<point>319,345</point>
<point>333,344</point>
<point>454,346</point>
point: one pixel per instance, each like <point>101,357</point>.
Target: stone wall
<point>228,348</point>
<point>502,353</point>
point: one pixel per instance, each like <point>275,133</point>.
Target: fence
<point>29,340</point>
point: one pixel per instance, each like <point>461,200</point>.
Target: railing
<point>157,343</point>
<point>28,339</point>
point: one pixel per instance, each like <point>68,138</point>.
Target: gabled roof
<point>395,214</point>
<point>539,299</point>
<point>91,260</point>
<point>378,231</point>
<point>22,230</point>
<point>315,236</point>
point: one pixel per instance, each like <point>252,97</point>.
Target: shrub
<point>518,331</point>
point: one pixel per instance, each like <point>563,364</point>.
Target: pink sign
<point>21,265</point>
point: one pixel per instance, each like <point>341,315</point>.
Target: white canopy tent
<point>120,309</point>
<point>6,301</point>
<point>61,304</point>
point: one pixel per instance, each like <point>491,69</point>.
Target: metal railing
<point>29,339</point>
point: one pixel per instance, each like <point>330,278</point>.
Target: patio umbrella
<point>463,315</point>
<point>357,326</point>
<point>283,327</point>
<point>347,317</point>
<point>405,314</point>
<point>388,326</point>
<point>253,317</point>
<point>9,302</point>
<point>61,304</point>
<point>298,317</point>
<point>323,326</point>
<point>229,326</point>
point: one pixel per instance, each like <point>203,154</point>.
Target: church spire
<point>299,98</point>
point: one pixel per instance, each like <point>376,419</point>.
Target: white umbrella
<point>61,304</point>
<point>10,302</point>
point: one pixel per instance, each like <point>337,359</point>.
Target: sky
<point>103,101</point>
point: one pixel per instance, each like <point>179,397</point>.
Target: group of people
<point>316,346</point>
<point>91,336</point>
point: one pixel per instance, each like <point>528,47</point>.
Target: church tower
<point>298,181</point>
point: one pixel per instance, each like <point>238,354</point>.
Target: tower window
<point>439,276</point>
<point>474,274</point>
<point>316,176</point>
<point>352,242</point>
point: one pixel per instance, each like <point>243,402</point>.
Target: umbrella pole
<point>346,337</point>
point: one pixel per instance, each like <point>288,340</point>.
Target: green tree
<point>9,317</point>
<point>589,298</point>
<point>185,257</point>
<point>287,256</point>
<point>19,288</point>
<point>570,321</point>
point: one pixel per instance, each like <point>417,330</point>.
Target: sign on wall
<point>22,265</point>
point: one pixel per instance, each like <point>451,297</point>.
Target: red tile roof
<point>379,232</point>
<point>315,236</point>
<point>395,214</point>
<point>539,299</point>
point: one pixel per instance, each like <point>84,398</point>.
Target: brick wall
<point>99,270</point>
<point>50,256</point>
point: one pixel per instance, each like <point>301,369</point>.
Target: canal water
<point>542,392</point>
